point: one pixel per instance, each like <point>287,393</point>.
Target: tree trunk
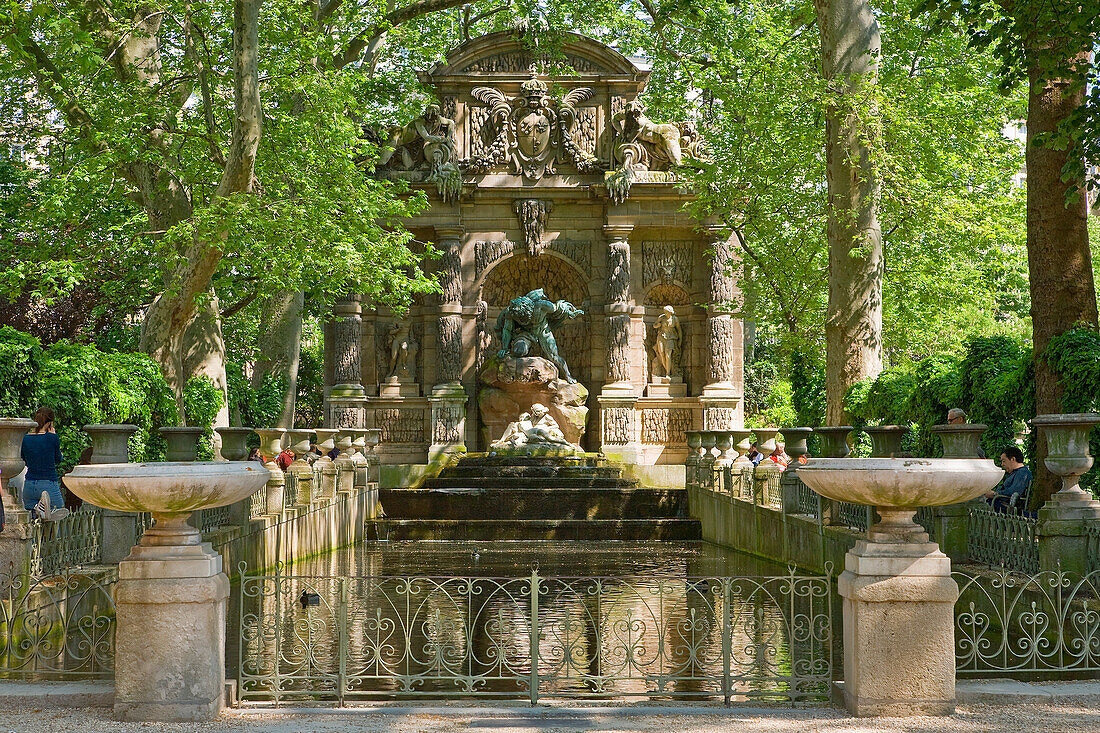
<point>1063,294</point>
<point>164,330</point>
<point>280,345</point>
<point>850,46</point>
<point>204,355</point>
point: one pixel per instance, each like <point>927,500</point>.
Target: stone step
<point>482,459</point>
<point>526,482</point>
<point>534,503</point>
<point>535,529</point>
<point>538,471</point>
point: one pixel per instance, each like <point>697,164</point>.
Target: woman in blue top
<point>41,451</point>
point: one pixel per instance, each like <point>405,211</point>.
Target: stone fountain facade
<point>540,179</point>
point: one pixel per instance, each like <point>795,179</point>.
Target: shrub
<point>20,362</point>
<point>202,400</point>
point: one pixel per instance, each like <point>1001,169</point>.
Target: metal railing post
<point>727,644</point>
<point>534,637</point>
<point>342,635</point>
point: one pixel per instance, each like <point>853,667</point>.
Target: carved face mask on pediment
<point>533,134</point>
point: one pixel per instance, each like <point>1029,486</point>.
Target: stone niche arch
<point>518,275</point>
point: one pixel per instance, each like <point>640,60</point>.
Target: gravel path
<point>1063,717</point>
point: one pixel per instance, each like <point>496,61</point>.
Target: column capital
<point>449,231</point>
<point>347,306</point>
<point>617,232</point>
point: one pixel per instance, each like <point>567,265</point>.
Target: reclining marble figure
<point>535,427</point>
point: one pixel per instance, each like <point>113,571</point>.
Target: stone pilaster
<point>346,403</point>
<point>617,400</point>
<point>448,398</point>
<point>721,396</point>
<point>617,379</point>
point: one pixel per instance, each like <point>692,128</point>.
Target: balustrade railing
<point>213,518</point>
<point>1002,539</point>
<point>73,541</point>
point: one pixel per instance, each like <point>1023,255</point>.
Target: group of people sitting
<point>778,456</point>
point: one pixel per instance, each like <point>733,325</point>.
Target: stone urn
<point>326,438</point>
<point>960,441</point>
<point>270,442</point>
<point>1066,516</point>
<point>795,439</point>
<point>234,443</point>
<point>834,440</point>
<point>709,440</point>
<point>886,440</point>
<point>765,439</point>
<point>171,595</point>
<point>694,443</point>
<point>724,445</point>
<point>344,442</point>
<point>899,597</point>
<point>742,443</point>
<point>299,441</point>
<point>110,443</point>
<point>183,443</point>
<point>12,430</point>
<point>1068,455</point>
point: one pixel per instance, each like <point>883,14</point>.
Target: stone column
<point>448,398</point>
<point>618,428</point>
<point>346,403</point>
<point>722,394</point>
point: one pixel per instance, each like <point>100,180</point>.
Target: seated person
<point>1013,489</point>
<point>779,455</point>
<point>754,455</point>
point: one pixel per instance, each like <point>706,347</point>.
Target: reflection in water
<point>601,619</point>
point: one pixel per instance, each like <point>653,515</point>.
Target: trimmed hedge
<point>85,386</point>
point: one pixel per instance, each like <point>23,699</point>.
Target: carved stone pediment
<point>533,131</point>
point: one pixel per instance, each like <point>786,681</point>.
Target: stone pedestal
<point>1062,540</point>
<point>170,638</point>
<point>899,643</point>
<point>398,387</point>
<point>666,387</point>
<point>618,425</point>
<point>448,426</point>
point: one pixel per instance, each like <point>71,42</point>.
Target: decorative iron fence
<point>856,516</point>
<point>335,639</point>
<point>1002,539</point>
<point>211,519</point>
<point>75,540</point>
<point>1008,622</point>
<point>60,627</point>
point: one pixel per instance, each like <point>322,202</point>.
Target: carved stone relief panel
<point>665,426</point>
<point>618,348</point>
<point>401,425</point>
<point>667,261</point>
<point>481,133</point>
<point>347,417</point>
<point>347,334</point>
<point>662,294</point>
<point>578,250</point>
<point>520,274</point>
<point>617,424</point>
<point>448,106</point>
<point>448,423</point>
<point>719,418</point>
<point>486,252</point>
<point>513,62</point>
<point>450,349</point>
<point>584,130</point>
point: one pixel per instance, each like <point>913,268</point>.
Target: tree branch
<point>368,37</point>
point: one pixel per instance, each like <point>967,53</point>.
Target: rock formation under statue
<point>514,385</point>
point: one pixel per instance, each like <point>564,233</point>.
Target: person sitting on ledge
<point>1012,493</point>
<point>779,455</point>
<point>284,459</point>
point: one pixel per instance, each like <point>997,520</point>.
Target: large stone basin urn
<point>899,598</point>
<point>12,430</point>
<point>172,591</point>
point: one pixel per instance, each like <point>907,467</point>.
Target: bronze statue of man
<point>529,320</point>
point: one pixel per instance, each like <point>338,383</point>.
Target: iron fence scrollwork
<point>318,639</point>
